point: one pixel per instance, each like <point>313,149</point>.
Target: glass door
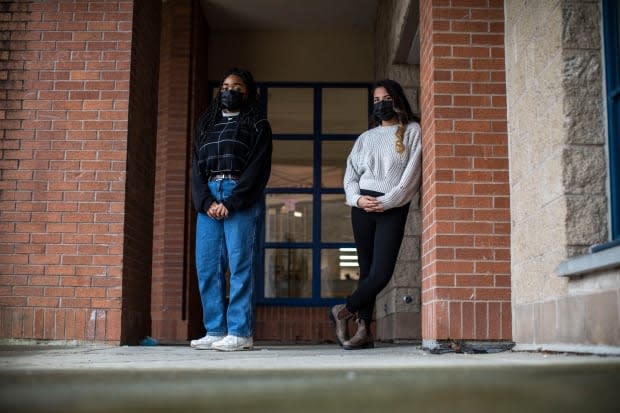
<point>309,254</point>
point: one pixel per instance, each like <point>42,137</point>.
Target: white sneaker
<point>205,342</point>
<point>233,343</point>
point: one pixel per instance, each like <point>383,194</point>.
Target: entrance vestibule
<point>314,80</point>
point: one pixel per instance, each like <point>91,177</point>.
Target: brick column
<point>168,306</point>
<point>465,200</point>
<point>139,188</point>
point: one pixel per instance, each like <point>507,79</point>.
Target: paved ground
<point>324,378</point>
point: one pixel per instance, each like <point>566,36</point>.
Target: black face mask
<point>231,99</point>
<point>384,110</point>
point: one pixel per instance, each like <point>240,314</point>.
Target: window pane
<point>289,218</point>
<point>288,273</point>
<point>334,162</point>
<point>335,219</point>
<point>290,110</point>
<point>339,272</point>
<point>344,110</point>
<point>291,164</point>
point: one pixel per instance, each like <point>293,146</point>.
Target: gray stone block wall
<point>398,308</point>
<point>391,17</point>
<point>558,171</point>
<point>584,161</point>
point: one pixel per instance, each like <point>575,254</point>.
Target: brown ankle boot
<point>340,316</point>
<point>361,339</point>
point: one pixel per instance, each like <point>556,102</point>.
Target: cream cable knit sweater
<point>374,165</point>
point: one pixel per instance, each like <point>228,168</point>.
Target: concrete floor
<point>323,378</point>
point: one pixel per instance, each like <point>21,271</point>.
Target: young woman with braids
<point>230,169</point>
<point>383,174</point>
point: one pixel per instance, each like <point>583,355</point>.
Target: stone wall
<point>392,16</point>
<point>558,169</point>
<point>398,305</point>
<point>583,159</point>
<point>537,142</point>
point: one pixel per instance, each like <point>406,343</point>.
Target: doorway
<point>307,68</point>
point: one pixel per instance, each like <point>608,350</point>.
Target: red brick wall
<point>64,171</point>
<point>200,99</point>
<point>466,217</point>
<point>139,194</point>
<point>182,97</point>
<point>294,324</point>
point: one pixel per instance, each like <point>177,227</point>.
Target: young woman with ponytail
<point>383,174</point>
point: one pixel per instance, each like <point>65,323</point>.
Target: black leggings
<point>378,236</point>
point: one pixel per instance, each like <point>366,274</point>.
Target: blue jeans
<point>230,243</point>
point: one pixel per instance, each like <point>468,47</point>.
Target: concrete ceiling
<point>290,14</point>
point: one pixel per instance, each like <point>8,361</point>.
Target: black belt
<point>370,193</point>
<point>219,177</point>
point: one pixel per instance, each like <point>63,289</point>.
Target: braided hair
<point>250,112</point>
